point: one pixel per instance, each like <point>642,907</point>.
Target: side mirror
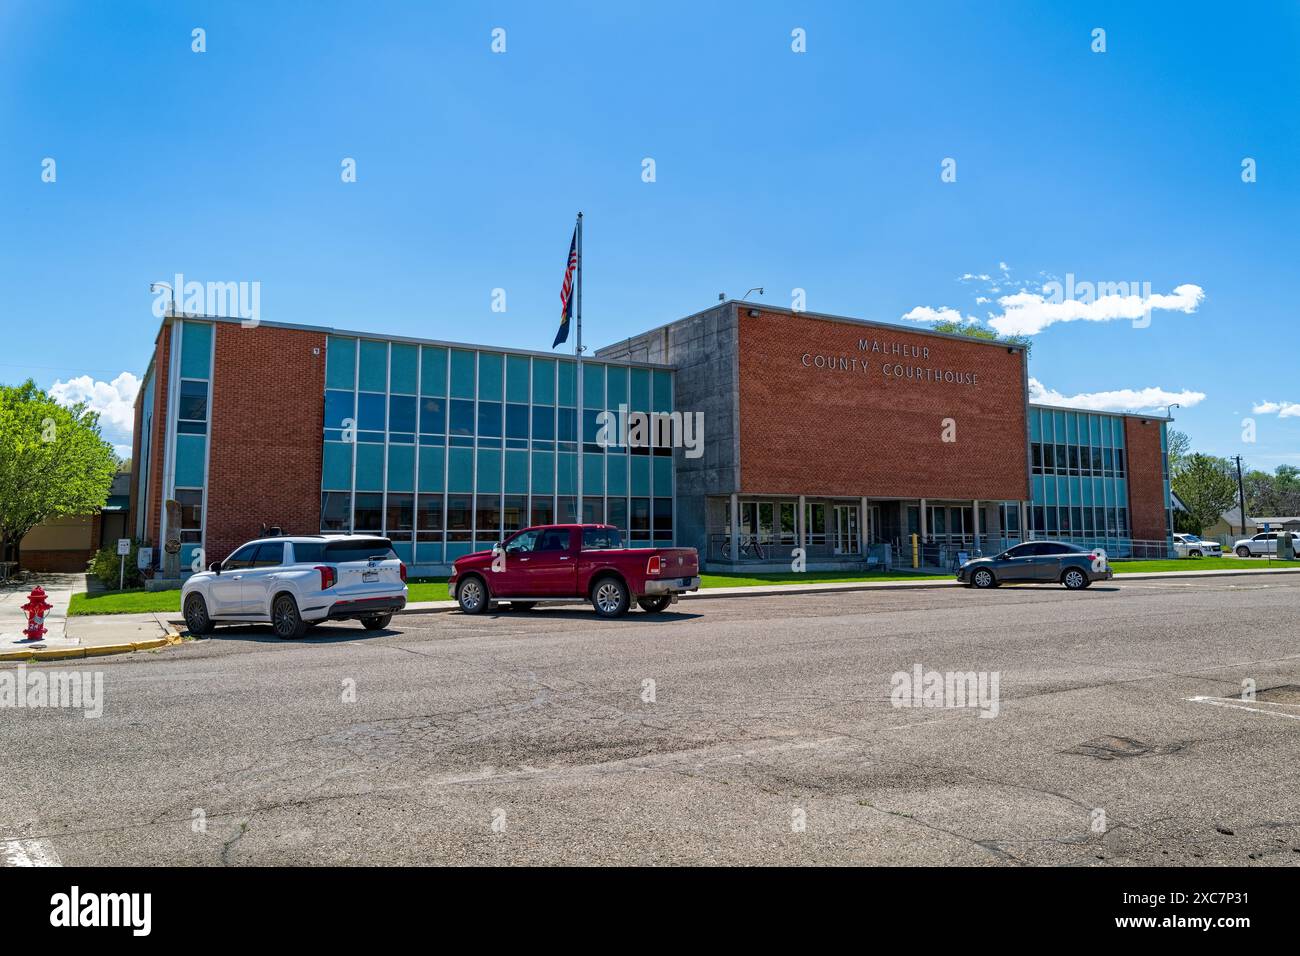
<point>215,566</point>
<point>496,548</point>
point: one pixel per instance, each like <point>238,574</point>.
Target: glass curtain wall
<point>448,450</point>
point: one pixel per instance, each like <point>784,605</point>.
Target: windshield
<point>341,552</point>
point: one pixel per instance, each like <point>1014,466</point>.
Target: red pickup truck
<point>572,562</point>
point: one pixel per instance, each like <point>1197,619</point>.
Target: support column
<point>799,526</point>
<point>975,514</point>
<point>733,546</point>
<point>863,532</point>
<point>923,521</point>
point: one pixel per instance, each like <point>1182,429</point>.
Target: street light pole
<point>1241,496</point>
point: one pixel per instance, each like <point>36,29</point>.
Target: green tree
<point>972,331</point>
<point>52,462</point>
<point>1207,485</point>
<point>1273,495</point>
<point>1179,446</point>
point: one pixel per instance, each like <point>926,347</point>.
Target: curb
<point>830,587</point>
<point>96,650</point>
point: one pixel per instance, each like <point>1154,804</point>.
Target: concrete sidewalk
<point>58,588</point>
<point>66,637</point>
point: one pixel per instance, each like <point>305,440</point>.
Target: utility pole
<point>1241,495</point>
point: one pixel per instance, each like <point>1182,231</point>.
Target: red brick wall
<point>1146,489</point>
<point>809,430</point>
<point>267,418</point>
<point>158,445</point>
<point>73,561</point>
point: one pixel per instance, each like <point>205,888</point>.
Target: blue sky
<point>817,170</point>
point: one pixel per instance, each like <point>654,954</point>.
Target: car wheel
<point>522,605</point>
<point>196,615</point>
<point>1194,554</point>
<point>376,622</point>
<point>1074,579</point>
<point>983,578</point>
<point>1243,552</point>
<point>653,605</point>
<point>472,595</point>
<point>610,597</point>
<point>285,619</point>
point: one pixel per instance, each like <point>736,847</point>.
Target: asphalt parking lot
<point>756,730</point>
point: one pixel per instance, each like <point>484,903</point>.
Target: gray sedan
<point>1038,562</point>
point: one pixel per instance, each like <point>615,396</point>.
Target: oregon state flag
<point>566,292</point>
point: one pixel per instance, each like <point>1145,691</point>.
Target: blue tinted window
<point>462,417</point>
<point>462,373</point>
<point>370,412</point>
<point>517,378</point>
<point>341,363</point>
<point>338,406</point>
<point>568,425</point>
<point>402,369</point>
<point>433,416</point>
<point>489,419</point>
<point>543,424</point>
<point>516,421</point>
<point>490,365</point>
<point>543,381</point>
<point>374,366</point>
<point>401,413</point>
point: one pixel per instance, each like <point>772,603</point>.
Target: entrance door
<point>846,529</point>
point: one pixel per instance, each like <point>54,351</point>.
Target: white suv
<point>1190,546</point>
<point>1264,543</point>
<point>292,583</point>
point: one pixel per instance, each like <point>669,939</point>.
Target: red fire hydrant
<point>36,607</point>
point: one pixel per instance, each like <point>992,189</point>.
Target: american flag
<point>566,292</point>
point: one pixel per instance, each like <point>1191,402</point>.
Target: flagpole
<point>578,352</point>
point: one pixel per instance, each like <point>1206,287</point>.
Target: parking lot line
<point>1236,705</point>
<point>27,853</point>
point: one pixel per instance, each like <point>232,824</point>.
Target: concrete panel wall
<point>703,349</point>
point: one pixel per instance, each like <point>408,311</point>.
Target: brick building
<point>845,436</point>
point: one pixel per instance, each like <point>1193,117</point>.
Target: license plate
<point>368,576</point>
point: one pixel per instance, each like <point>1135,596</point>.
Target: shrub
<point>104,565</point>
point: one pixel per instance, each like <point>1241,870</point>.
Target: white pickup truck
<point>1191,546</point>
<point>292,583</point>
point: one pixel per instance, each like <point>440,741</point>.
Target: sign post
<point>123,551</point>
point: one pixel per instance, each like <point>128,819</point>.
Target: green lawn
<point>130,601</point>
<point>1201,564</point>
<point>811,577</point>
<point>139,601</point>
<point>427,589</point>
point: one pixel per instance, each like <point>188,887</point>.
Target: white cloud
<point>1119,400</point>
<point>1026,313</point>
<point>971,277</point>
<point>115,401</point>
<point>923,313</point>
<point>1281,409</point>
<point>981,299</point>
